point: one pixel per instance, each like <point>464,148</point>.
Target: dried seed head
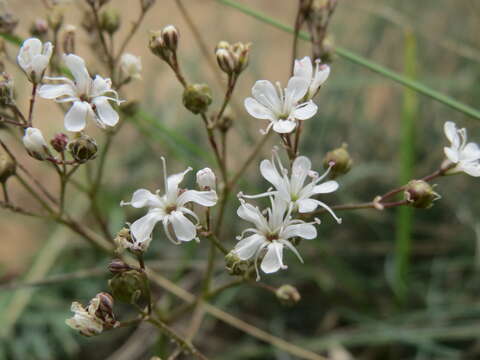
<point>197,98</point>
<point>117,266</point>
<point>83,148</point>
<point>128,286</point>
<point>341,160</point>
<point>420,194</point>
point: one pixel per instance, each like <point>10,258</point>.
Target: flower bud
<point>206,179</point>
<point>225,60</point>
<point>59,142</point>
<point>39,29</point>
<point>234,265</point>
<point>157,46</point>
<point>55,19</point>
<point>8,23</point>
<point>288,295</point>
<point>33,57</point>
<point>35,144</point>
<point>170,37</point>
<point>128,286</point>
<point>131,66</point>
<point>68,42</point>
<point>420,194</point>
<point>117,266</point>
<point>197,98</point>
<point>339,160</point>
<point>7,166</point>
<point>83,148</point>
<point>109,21</point>
<point>242,54</point>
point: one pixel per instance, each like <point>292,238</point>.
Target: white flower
<point>131,66</point>
<point>85,320</point>
<point>271,233</point>
<point>465,156</point>
<point>304,69</point>
<point>34,57</point>
<point>281,107</point>
<point>170,209</point>
<point>87,95</point>
<point>293,189</point>
<point>206,179</point>
<point>35,143</point>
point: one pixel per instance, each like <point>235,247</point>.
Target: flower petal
<point>55,91</point>
<point>303,68</point>
<point>305,111</point>
<point>273,260</point>
<point>451,133</point>
<point>246,248</point>
<point>77,67</point>
<point>106,114</point>
<point>204,198</point>
<point>284,126</point>
<point>265,93</point>
<point>257,110</point>
<point>326,187</point>
<point>307,205</point>
<point>305,231</point>
<point>75,118</point>
<point>471,152</point>
<point>183,228</point>
<point>143,197</point>
<point>472,169</point>
<point>296,89</point>
<point>142,228</point>
<point>452,154</point>
<point>270,173</point>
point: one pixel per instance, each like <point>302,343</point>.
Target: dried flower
<point>197,98</point>
<point>420,194</point>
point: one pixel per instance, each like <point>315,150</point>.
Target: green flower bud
<point>340,161</point>
<point>83,148</point>
<point>235,265</point>
<point>288,295</point>
<point>420,194</point>
<point>110,21</point>
<point>128,286</point>
<point>197,98</point>
<point>7,166</point>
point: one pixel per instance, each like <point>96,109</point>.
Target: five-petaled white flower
<point>271,233</point>
<point>170,209</point>
<point>292,189</point>
<point>316,77</point>
<point>87,95</point>
<point>131,66</point>
<point>465,155</point>
<point>282,107</point>
<point>33,57</point>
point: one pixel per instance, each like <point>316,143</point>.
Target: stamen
<point>165,184</point>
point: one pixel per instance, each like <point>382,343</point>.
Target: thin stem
<point>5,192</point>
<point>32,104</point>
<point>296,30</point>
<point>16,209</point>
<point>132,32</point>
<point>103,43</point>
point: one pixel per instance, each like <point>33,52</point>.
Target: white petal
<point>77,67</point>
<point>100,86</point>
<point>451,133</point>
<point>303,68</point>
<point>265,93</point>
<point>321,75</point>
<point>305,111</point>
<point>451,154</point>
<point>172,184</point>
<point>247,247</point>
<point>471,152</point>
<point>142,228</point>
<point>305,231</point>
<point>326,188</point>
<point>472,169</point>
<point>257,110</point>
<point>76,117</point>
<point>273,260</point>
<point>106,114</point>
<point>30,48</point>
<point>284,126</point>
<point>270,173</point>
<point>55,91</point>
<point>296,89</point>
<point>183,228</point>
<point>204,198</point>
<point>143,197</point>
<point>307,205</point>
<point>39,64</point>
<point>252,214</point>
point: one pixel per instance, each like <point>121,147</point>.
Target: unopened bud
<point>288,295</point>
<point>232,59</point>
<point>170,37</point>
<point>117,266</point>
<point>59,142</point>
<point>225,60</point>
<point>242,54</point>
<point>157,46</point>
<point>206,179</point>
<point>7,166</point>
<point>235,265</point>
<point>109,21</point>
<point>83,148</point>
<point>35,144</point>
<point>420,194</point>
<point>339,160</point>
<point>197,98</point>
<point>68,42</point>
<point>55,19</point>
<point>128,286</point>
<point>39,29</point>
<point>8,23</point>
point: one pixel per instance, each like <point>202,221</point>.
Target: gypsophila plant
<point>290,208</point>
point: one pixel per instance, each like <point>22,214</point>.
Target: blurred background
<point>351,305</point>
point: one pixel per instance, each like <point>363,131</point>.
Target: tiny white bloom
<point>131,66</point>
<point>33,57</point>
<point>206,179</point>
<point>292,189</point>
<point>170,209</point>
<point>86,94</point>
<point>35,143</point>
<point>85,320</point>
<point>282,107</point>
<point>271,234</point>
<point>465,155</point>
<point>316,77</point>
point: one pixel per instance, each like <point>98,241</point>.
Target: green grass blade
<point>362,61</point>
